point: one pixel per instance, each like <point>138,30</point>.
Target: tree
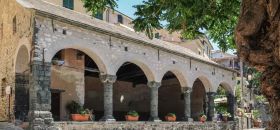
<point>256,33</point>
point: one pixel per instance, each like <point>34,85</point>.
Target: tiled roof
<point>59,11</point>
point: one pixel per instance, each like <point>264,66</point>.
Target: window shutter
<point>71,4</point>
<point>68,4</point>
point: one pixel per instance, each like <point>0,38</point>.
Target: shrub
<point>171,114</point>
<point>133,113</point>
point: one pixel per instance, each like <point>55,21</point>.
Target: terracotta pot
<point>131,118</point>
<point>257,123</point>
<point>225,118</point>
<point>170,118</point>
<point>202,119</point>
<point>80,117</point>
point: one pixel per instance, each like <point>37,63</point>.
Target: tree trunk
<point>257,39</point>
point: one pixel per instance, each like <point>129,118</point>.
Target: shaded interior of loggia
<point>78,79</point>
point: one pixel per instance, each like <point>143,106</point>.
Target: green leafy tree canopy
<point>193,18</point>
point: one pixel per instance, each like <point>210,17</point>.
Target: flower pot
<point>80,117</point>
<point>131,118</point>
<point>257,123</point>
<point>170,118</point>
<point>202,119</point>
<point>225,118</point>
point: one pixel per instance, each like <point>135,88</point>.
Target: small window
<point>1,31</point>
<point>157,36</point>
<point>68,4</point>
<point>14,25</point>
<point>120,18</point>
<point>99,15</point>
<point>3,84</point>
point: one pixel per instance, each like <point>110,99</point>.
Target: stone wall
<point>146,126</point>
<point>15,30</point>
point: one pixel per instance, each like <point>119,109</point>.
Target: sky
<point>125,6</point>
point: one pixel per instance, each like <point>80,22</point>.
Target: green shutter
<point>68,4</point>
<point>71,4</point>
<point>99,15</point>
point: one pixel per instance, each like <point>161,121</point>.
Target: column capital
<point>106,78</point>
<point>154,84</point>
<point>186,90</point>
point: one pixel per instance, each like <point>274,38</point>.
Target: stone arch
<point>206,83</point>
<point>179,75</point>
<point>98,59</point>
<point>148,71</point>
<point>22,59</point>
<point>226,86</point>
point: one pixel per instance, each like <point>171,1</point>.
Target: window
<point>14,25</point>
<point>3,84</point>
<point>99,15</point>
<point>157,36</point>
<point>120,18</point>
<point>68,4</point>
<point>1,31</point>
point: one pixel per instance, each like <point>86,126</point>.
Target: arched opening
<point>170,97</point>
<point>198,100</point>
<point>75,77</point>
<point>21,84</point>
<point>131,92</point>
<point>224,102</point>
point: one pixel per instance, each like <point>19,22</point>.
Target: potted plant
<point>256,120</point>
<point>170,117</point>
<point>78,113</point>
<point>203,118</point>
<point>226,115</point>
<point>132,116</point>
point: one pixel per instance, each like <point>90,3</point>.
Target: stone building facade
<point>44,29</point>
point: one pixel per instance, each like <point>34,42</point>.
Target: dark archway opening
<point>224,103</point>
<point>22,84</point>
<point>131,92</point>
<point>75,77</point>
<point>198,100</point>
<point>170,97</point>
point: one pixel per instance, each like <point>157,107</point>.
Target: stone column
<point>40,117</point>
<point>211,105</point>
<point>108,81</point>
<point>154,100</point>
<point>187,99</point>
<point>231,105</point>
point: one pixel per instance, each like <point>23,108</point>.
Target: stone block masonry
<point>146,126</point>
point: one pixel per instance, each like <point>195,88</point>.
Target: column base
<point>154,119</point>
<point>108,119</point>
<point>187,119</point>
<point>41,120</point>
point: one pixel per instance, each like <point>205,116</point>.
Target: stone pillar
<point>108,81</point>
<point>231,105</point>
<point>211,105</point>
<point>187,99</point>
<point>154,100</point>
<point>40,117</point>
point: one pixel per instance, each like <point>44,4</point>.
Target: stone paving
<point>8,126</point>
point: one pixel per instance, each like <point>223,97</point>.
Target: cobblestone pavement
<point>8,126</point>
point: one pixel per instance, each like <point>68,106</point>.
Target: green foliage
<point>193,18</point>
<point>171,114</point>
<point>95,6</point>
<point>238,94</point>
<point>133,113</point>
<point>75,108</point>
<point>256,114</point>
<point>221,108</point>
<point>226,114</point>
<point>260,98</point>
